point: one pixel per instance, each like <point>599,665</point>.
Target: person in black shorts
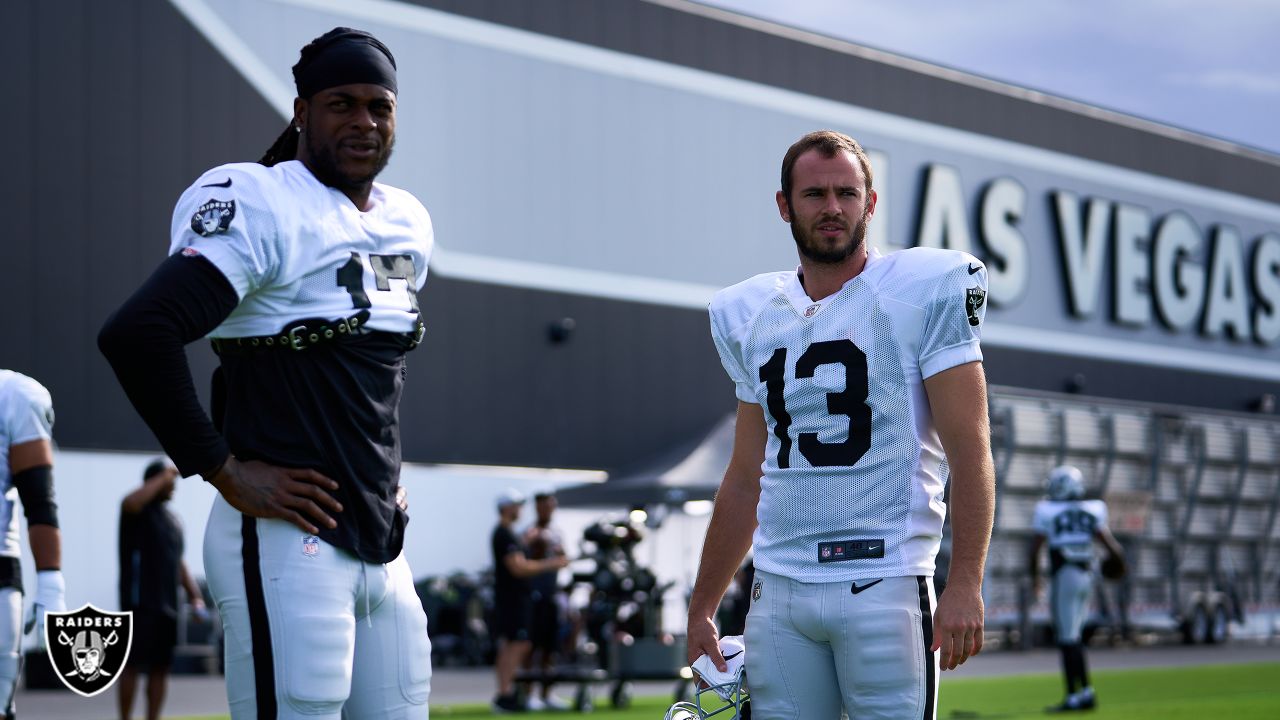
<point>513,598</point>
<point>544,540</point>
<point>151,569</point>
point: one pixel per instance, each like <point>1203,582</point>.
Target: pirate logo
<point>213,217</point>
<point>88,647</point>
<point>973,299</point>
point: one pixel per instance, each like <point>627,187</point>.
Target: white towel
<point>734,652</point>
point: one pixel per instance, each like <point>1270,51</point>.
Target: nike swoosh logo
<point>727,658</point>
<point>972,269</point>
<point>855,589</point>
<point>228,184</point>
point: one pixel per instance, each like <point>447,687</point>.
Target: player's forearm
<point>526,568</point>
<point>189,584</point>
<point>972,513</point>
<point>46,546</point>
<point>733,521</point>
<point>135,501</point>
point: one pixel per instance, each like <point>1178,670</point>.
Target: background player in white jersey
<point>26,474</point>
<point>859,378</point>
<point>304,272</point>
<point>1069,524</point>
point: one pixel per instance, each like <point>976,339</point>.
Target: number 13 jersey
<point>854,473</point>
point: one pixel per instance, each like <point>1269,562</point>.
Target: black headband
<point>344,56</point>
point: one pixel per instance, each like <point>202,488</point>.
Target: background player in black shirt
<point>513,598</point>
<point>151,568</point>
<point>544,540</point>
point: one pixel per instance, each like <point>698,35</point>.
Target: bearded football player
<point>859,383</point>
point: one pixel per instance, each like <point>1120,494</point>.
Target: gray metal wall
<point>124,104</point>
<point>831,69</point>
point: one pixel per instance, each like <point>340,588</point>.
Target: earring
<point>297,128</point>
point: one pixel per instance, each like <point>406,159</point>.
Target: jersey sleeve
<point>1099,510</point>
<point>226,217</point>
<point>953,318</point>
<point>1042,519</point>
<point>30,414</point>
<point>744,389</point>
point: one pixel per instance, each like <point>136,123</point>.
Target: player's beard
<point>813,249</point>
<point>326,168</point>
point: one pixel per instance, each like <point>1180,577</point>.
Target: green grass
<point>1207,692</point>
<point>1191,693</point>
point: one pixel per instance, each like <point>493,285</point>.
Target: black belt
<point>303,334</point>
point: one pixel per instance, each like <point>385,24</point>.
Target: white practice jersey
<point>1069,525</point>
<point>26,414</point>
<point>296,249</point>
<point>853,475</point>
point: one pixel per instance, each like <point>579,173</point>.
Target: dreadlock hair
<point>285,147</point>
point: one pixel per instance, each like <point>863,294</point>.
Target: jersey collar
<point>807,307</point>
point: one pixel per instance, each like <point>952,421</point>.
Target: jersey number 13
<point>850,402</point>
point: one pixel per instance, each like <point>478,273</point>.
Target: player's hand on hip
<point>292,494</point>
<point>704,639</point>
<point>957,626</point>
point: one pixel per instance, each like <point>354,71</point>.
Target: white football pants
<point>815,648</point>
<point>10,645</point>
<point>1068,602</point>
<point>312,631</point>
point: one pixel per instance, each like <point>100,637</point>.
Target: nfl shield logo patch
<point>310,545</point>
<point>88,647</point>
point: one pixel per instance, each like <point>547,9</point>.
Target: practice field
<point>1239,692</point>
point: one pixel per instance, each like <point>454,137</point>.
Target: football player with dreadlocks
<point>304,272</point>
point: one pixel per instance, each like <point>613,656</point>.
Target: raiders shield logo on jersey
<point>88,647</point>
<point>974,297</point>
<point>213,217</point>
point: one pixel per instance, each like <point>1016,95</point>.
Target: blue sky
<point>1208,66</point>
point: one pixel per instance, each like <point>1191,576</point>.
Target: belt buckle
<point>296,340</point>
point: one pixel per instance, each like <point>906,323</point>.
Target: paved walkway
<point>203,694</point>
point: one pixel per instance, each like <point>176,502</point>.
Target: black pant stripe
<point>926,628</point>
<point>264,679</point>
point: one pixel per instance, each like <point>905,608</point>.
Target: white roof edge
<point>964,78</point>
